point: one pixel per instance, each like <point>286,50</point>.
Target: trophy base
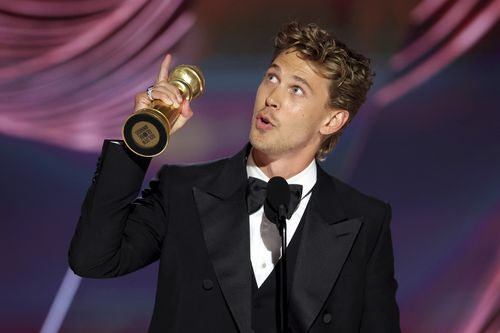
<point>146,132</point>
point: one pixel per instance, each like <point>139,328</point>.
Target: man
<point>217,255</point>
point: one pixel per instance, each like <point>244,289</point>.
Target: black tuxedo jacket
<point>194,220</point>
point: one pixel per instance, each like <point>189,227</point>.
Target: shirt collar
<point>306,178</point>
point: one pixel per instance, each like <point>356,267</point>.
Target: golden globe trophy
<point>147,131</point>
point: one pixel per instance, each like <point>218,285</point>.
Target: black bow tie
<point>257,192</point>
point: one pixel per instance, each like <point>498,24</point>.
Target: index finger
<point>165,64</point>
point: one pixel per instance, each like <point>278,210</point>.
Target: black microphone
<point>275,209</point>
<point>277,200</point>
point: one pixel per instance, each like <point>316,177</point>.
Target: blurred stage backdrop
<point>427,140</point>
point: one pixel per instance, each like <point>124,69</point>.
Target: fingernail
<point>179,98</point>
<point>176,105</point>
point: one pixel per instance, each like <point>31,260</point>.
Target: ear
<point>334,122</point>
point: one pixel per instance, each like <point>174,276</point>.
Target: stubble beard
<point>268,143</point>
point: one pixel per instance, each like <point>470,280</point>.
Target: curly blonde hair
<point>349,72</point>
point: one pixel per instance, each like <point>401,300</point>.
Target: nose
<point>272,100</point>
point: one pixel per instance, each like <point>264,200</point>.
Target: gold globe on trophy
<point>147,131</point>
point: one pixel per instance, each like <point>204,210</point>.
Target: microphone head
<point>278,194</point>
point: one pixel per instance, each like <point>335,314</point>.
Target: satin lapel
<point>327,238</point>
<point>224,219</point>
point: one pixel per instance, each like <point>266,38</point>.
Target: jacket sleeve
<point>118,232</point>
<point>381,313</point>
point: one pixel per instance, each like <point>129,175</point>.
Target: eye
<point>296,90</point>
<point>272,78</point>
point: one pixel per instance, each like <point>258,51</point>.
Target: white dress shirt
<point>265,241</point>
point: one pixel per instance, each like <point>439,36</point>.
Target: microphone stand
<point>282,289</point>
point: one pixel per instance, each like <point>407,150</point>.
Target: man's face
<point>291,108</point>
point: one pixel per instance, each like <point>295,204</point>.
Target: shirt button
<point>263,265</point>
<point>208,284</point>
<point>327,318</point>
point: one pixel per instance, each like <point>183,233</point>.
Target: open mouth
<point>265,121</point>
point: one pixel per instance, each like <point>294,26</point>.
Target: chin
<point>267,148</point>
<point>258,143</point>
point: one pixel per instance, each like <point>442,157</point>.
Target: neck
<point>283,166</point>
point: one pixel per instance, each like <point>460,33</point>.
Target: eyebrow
<point>295,77</point>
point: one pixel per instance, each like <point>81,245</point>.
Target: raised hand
<point>167,93</point>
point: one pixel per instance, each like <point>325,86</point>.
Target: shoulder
<point>229,168</point>
<point>191,174</point>
<point>357,203</point>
